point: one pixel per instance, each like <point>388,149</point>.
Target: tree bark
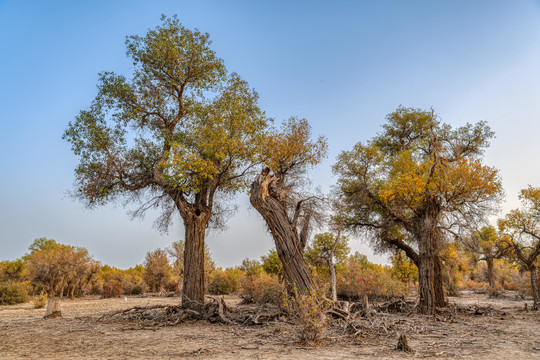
<point>534,286</point>
<point>490,272</point>
<point>268,198</point>
<point>429,267</point>
<point>440,298</point>
<point>193,290</point>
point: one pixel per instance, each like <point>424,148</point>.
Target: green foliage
<point>521,228</point>
<point>418,169</point>
<point>224,282</point>
<point>131,279</point>
<point>251,267</point>
<point>403,268</point>
<point>193,129</point>
<point>290,150</point>
<point>271,263</point>
<point>317,254</point>
<point>13,293</point>
<point>11,270</point>
<point>42,244</point>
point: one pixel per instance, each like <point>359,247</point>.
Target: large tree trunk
<point>429,269</point>
<point>193,290</point>
<point>534,286</point>
<point>490,272</point>
<point>268,198</point>
<point>426,281</point>
<point>438,286</point>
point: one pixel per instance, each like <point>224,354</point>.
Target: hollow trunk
<point>193,290</point>
<point>490,272</point>
<point>268,198</point>
<point>534,285</point>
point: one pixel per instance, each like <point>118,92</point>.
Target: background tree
<point>157,269</point>
<point>522,227</point>
<point>327,251</point>
<point>57,268</point>
<point>251,267</point>
<point>414,184</point>
<point>271,264</point>
<point>277,195</point>
<point>485,245</point>
<point>179,133</point>
<point>403,268</point>
<point>176,253</point>
<point>11,270</point>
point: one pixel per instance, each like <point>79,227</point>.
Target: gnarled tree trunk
<point>429,266</point>
<point>193,290</point>
<point>267,197</point>
<point>438,287</point>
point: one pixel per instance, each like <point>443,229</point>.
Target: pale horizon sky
<point>343,65</point>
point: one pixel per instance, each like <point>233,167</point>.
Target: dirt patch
<point>473,326</point>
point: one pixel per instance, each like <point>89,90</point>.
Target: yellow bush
<point>307,311</point>
<point>262,289</point>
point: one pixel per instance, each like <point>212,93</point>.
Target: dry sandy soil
<point>472,327</point>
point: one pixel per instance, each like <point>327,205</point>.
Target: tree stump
<point>53,309</point>
<point>365,306</point>
<point>403,345</point>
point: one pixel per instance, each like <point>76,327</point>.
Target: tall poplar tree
<point>413,185</point>
<point>179,132</point>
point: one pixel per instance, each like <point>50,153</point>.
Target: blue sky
<point>342,64</point>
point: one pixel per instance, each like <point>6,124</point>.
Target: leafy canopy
<point>178,129</point>
<point>416,166</point>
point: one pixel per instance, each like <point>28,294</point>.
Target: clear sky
<point>341,64</point>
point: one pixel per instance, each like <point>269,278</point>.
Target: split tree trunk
<point>268,198</point>
<point>193,290</point>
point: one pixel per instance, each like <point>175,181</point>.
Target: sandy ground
<point>472,327</point>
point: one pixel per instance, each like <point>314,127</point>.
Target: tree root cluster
<point>215,311</point>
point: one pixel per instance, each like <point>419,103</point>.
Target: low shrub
<point>40,300</point>
<point>136,290</point>
<point>375,281</point>
<point>307,311</point>
<point>262,289</point>
<point>112,288</point>
<point>224,282</point>
<point>13,293</point>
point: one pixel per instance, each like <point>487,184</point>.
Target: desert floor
<point>472,327</point>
